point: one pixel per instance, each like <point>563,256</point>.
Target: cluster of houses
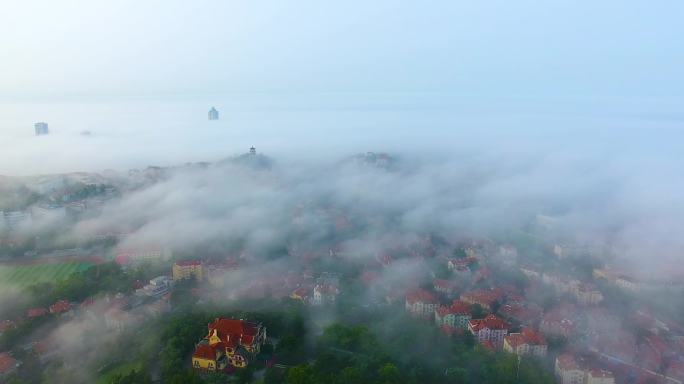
<point>584,292</point>
<point>569,370</point>
<point>508,321</point>
<point>116,313</point>
<point>322,291</point>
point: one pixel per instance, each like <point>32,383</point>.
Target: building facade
<point>527,342</point>
<point>421,303</point>
<point>457,315</point>
<point>188,269</point>
<point>490,329</point>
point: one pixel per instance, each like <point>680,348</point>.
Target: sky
<point>308,78</point>
<point>559,48</point>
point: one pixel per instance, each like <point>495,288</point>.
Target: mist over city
<point>308,192</point>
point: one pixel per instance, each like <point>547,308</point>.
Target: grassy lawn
<point>22,276</point>
<point>121,369</point>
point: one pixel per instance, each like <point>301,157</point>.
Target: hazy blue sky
<point>631,48</point>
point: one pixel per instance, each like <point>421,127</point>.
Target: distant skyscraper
<point>213,114</point>
<point>41,129</point>
<point>252,151</point>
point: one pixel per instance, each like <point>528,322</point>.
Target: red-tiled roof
<point>490,322</point>
<point>42,347</point>
<point>60,306</point>
<point>533,337</point>
<point>444,284</point>
<point>188,263</point>
<point>457,308</point>
<point>483,297</point>
<point>205,351</point>
<point>527,336</point>
<point>418,295</point>
<point>301,292</point>
<point>7,363</point>
<point>235,332</point>
<point>36,312</point>
<point>567,362</point>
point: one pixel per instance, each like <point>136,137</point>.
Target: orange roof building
<point>228,341</point>
<point>457,315</point>
<point>527,342</point>
<point>491,328</point>
<point>421,303</point>
<point>8,364</point>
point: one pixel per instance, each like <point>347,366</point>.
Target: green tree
<point>300,374</point>
<point>389,374</point>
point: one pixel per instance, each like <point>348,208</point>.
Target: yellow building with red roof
<point>188,269</point>
<point>228,341</point>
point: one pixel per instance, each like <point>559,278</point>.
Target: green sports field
<point>21,276</point>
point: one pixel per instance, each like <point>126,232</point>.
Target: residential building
<point>228,341</point>
<point>457,315</point>
<point>571,370</point>
<point>159,286</point>
<point>524,314</point>
<point>8,365</point>
<point>209,358</point>
<point>568,371</point>
<point>486,298</point>
<point>588,294</point>
<point>213,114</point>
<point>36,312</point>
<point>62,306</point>
<point>41,128</point>
<point>464,262</point>
<point>188,269</point>
<point>527,342</point>
<point>445,287</point>
<point>302,294</point>
<point>421,303</point>
<point>600,376</point>
<point>553,325</point>
<point>324,294</point>
<point>491,329</point>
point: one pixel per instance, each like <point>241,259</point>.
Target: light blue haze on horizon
<point>314,79</point>
<point>610,48</point>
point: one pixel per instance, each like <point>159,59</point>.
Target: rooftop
<point>489,322</point>
<point>419,295</point>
